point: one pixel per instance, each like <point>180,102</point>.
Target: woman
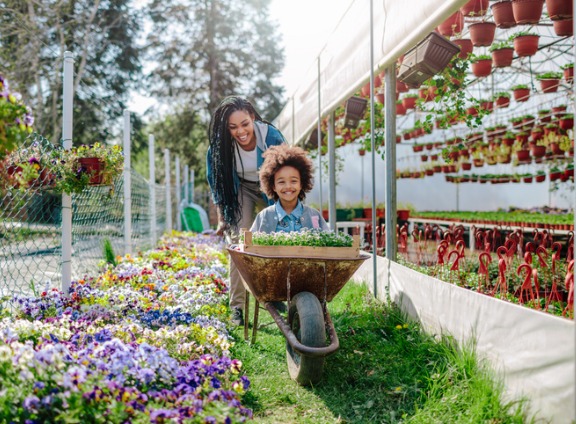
<point>238,137</point>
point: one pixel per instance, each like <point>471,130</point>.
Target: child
<point>286,176</point>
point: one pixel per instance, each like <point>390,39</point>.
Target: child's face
<point>287,184</point>
<point>241,127</point>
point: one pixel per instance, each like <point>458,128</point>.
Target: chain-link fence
<point>31,230</point>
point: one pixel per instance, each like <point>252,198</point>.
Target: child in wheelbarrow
<point>286,176</point>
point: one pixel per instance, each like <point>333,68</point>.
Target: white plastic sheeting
<point>345,59</point>
<point>533,351</point>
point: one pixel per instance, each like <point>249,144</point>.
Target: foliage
<point>502,94</point>
<point>567,66</point>
<point>15,119</point>
<point>304,237</point>
<point>101,35</point>
<point>520,87</point>
<point>549,75</point>
<point>500,46</point>
<point>522,34</point>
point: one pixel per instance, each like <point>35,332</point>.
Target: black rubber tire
<point>306,319</point>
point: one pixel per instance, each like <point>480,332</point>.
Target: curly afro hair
<point>277,157</point>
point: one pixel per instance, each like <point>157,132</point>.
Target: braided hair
<point>223,159</point>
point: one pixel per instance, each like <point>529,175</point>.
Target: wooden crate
<point>302,251</point>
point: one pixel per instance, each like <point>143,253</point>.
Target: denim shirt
<point>267,221</point>
<point>288,222</point>
<point>266,136</point>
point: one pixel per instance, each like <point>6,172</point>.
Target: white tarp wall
<point>533,351</point>
<point>345,59</point>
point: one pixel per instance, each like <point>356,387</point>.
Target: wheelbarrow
<point>307,280</point>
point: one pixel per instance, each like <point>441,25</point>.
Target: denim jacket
<point>267,220</point>
<point>266,136</point>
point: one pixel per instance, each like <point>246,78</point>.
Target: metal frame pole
<point>127,186</point>
<point>178,184</point>
<point>168,194</point>
<point>186,185</point>
<point>373,156</point>
<point>152,189</point>
<point>319,129</point>
<point>332,171</point>
<point>67,114</point>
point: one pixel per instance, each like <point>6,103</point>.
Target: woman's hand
<point>222,226</point>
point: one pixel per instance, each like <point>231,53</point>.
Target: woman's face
<point>287,185</point>
<point>241,127</point>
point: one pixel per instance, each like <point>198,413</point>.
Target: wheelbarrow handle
<point>315,352</point>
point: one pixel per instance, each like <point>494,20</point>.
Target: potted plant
<point>502,54</point>
<point>555,173</point>
<point>521,92</point>
<point>527,12</point>
<point>568,71</point>
<point>80,167</point>
<point>481,65</point>
<point>563,28</point>
<point>502,99</point>
<point>544,115</point>
<point>559,110</point>
<point>475,8</point>
<point>549,81</point>
<point>452,26</point>
<point>31,165</point>
<point>559,10</point>
<point>465,45</point>
<point>540,176</point>
<point>409,100</point>
<point>482,33</point>
<point>525,43</point>
<point>566,121</point>
<point>508,138</point>
<point>503,14</point>
<point>400,109</point>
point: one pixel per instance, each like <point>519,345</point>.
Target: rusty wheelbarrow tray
<point>303,282</point>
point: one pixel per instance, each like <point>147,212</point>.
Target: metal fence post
<point>127,186</point>
<point>67,109</point>
<point>152,188</point>
<point>168,194</point>
<point>178,184</point>
<point>192,185</point>
<point>186,185</point>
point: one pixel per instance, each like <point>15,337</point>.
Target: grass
<point>386,371</point>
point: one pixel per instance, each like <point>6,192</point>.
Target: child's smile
<point>287,186</point>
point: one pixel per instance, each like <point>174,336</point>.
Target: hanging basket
<point>429,57</point>
<point>355,108</point>
<point>527,12</point>
<point>526,45</point>
<point>559,10</point>
<point>503,15</point>
<point>475,8</point>
<point>563,28</point>
<point>465,45</point>
<point>93,167</point>
<point>549,85</point>
<point>452,26</point>
<point>482,68</point>
<point>482,33</point>
<point>503,57</point>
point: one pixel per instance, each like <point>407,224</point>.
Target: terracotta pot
<point>558,110</point>
<point>466,166</point>
<point>401,87</point>
<point>452,26</point>
<point>400,109</point>
<point>472,111</point>
<point>527,11</point>
<point>475,8</point>
<point>555,176</point>
<point>566,123</point>
<point>523,155</point>
<point>568,74</point>
<point>503,14</point>
<point>365,90</point>
<point>482,33</point>
<point>536,135</point>
<point>482,68</point>
<point>563,28</point>
<point>93,167</point>
<point>558,10</point>
<point>502,58</point>
<point>540,178</point>
<point>465,45</point>
<point>526,45</point>
<point>538,151</point>
<point>502,102</point>
<point>527,179</point>
<point>521,94</point>
<point>478,163</point>
<point>361,152</point>
<point>380,98</point>
<point>508,141</point>
<point>489,106</point>
<point>549,85</point>
<point>409,102</point>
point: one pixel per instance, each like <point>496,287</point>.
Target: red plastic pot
<point>568,74</point>
<point>527,11</point>
<point>452,26</point>
<point>401,87</point>
<point>540,178</point>
<point>400,109</point>
<point>566,123</point>
<point>538,151</point>
<point>465,45</point>
<point>549,85</point>
<point>523,155</point>
<point>563,28</point>
<point>559,10</point>
<point>521,94</point>
<point>93,167</point>
<point>503,57</point>
<point>503,14</point>
<point>475,8</point>
<point>526,45</point>
<point>482,68</point>
<point>409,102</point>
<point>380,98</point>
<point>482,33</point>
<point>502,102</point>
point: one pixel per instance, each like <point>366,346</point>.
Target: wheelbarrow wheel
<point>306,319</point>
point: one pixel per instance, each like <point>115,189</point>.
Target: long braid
<point>223,159</point>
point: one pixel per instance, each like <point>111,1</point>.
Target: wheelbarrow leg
<point>246,315</point>
<point>255,323</point>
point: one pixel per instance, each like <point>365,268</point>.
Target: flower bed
<point>143,341</point>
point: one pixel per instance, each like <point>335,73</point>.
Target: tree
<point>101,35</point>
<point>208,49</point>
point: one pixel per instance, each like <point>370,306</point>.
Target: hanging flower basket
<point>401,87</point>
<point>355,108</point>
<point>559,110</point>
<point>365,90</point>
<point>558,10</point>
<point>503,14</point>
<point>526,45</point>
<point>452,26</point>
<point>527,12</point>
<point>475,8</point>
<point>93,167</point>
<point>502,101</point>
<point>482,33</point>
<point>538,151</point>
<point>568,72</point>
<point>540,178</point>
<point>482,67</point>
<point>563,28</point>
<point>566,122</point>
<point>465,45</point>
<point>502,58</point>
<point>400,109</point>
<point>521,94</point>
<point>409,102</point>
<point>549,85</point>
